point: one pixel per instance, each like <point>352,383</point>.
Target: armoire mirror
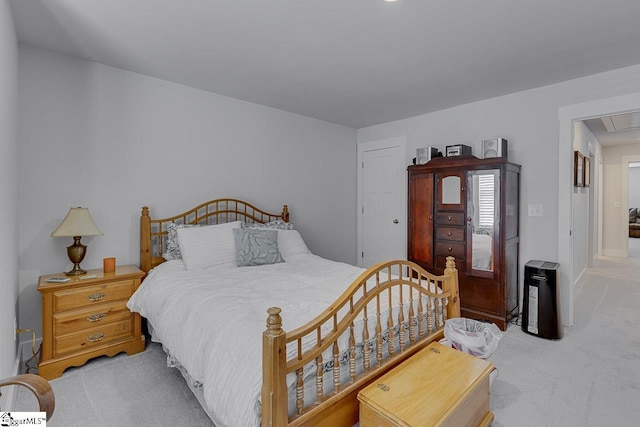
<point>482,217</point>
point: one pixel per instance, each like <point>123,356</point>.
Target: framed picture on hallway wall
<point>578,169</point>
<point>586,176</point>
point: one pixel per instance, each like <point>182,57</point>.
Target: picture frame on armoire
<point>578,169</point>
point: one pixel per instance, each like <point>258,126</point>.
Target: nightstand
<point>86,318</point>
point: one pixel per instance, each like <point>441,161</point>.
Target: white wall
<point>586,143</point>
<point>634,187</point>
<point>8,192</point>
<point>113,141</point>
<point>529,120</point>
<point>615,219</point>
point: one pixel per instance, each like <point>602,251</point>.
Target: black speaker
<point>494,148</point>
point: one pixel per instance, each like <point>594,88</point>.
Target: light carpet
<point>136,390</point>
<point>588,378</point>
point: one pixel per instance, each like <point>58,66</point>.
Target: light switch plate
<point>535,210</point>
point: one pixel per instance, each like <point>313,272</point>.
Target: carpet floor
<point>590,377</point>
<point>136,390</point>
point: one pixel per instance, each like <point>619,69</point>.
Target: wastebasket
<point>472,337</point>
<point>541,300</point>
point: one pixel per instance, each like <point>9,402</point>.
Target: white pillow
<point>290,243</point>
<point>207,246</point>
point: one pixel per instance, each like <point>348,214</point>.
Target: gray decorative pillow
<point>172,248</point>
<point>256,247</point>
<point>278,224</point>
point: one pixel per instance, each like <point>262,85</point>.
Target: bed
<point>331,328</point>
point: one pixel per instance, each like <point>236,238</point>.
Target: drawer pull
<point>96,317</point>
<point>450,249</point>
<point>98,336</point>
<point>96,297</point>
<point>449,218</point>
<point>449,234</point>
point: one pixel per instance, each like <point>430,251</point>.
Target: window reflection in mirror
<point>483,215</point>
<point>451,190</point>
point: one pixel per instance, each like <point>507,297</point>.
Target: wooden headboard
<point>153,232</point>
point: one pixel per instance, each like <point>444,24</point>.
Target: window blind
<point>486,198</point>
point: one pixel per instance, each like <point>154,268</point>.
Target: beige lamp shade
<point>78,222</point>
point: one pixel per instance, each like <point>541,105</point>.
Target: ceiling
<point>352,62</point>
<point>619,129</point>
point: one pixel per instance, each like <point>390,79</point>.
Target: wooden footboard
<point>378,322</point>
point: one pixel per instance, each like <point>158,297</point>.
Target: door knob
<point>395,221</point>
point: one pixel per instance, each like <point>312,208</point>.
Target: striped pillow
<point>207,246</point>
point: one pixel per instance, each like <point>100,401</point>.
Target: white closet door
<point>382,218</point>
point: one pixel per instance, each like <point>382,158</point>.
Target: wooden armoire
<point>468,208</point>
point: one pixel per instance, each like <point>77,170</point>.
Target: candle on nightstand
<point>109,265</point>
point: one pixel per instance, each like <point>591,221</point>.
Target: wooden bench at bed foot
<point>438,386</point>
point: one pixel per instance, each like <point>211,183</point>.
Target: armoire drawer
<point>450,218</point>
<point>450,233</point>
<point>454,249</point>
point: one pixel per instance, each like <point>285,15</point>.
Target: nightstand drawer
<point>77,320</point>
<point>92,337</point>
<point>76,298</point>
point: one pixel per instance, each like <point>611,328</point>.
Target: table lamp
<point>76,224</point>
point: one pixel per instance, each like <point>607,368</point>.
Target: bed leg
<point>274,362</point>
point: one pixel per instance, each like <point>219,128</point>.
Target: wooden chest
<point>82,319</point>
<point>438,386</point>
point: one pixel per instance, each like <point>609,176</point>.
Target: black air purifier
<point>541,300</point>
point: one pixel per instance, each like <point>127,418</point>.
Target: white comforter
<point>212,321</point>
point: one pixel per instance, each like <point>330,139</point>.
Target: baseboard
<point>9,392</point>
<point>23,352</point>
<point>577,285</point>
<point>615,253</point>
